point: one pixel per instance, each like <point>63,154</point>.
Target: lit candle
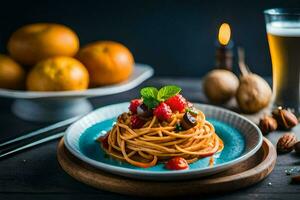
<point>224,53</point>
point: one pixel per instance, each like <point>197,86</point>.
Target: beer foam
<point>284,28</point>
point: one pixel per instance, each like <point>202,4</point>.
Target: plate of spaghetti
<point>162,136</point>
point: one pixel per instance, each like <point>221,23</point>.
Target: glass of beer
<point>283,30</point>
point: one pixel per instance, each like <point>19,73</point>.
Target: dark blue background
<point>175,37</point>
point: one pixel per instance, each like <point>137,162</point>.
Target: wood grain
<point>246,173</point>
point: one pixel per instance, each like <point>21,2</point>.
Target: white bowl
<point>55,106</point>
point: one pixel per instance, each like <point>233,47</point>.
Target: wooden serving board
<point>242,175</point>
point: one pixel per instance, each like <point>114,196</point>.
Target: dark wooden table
<point>36,174</point>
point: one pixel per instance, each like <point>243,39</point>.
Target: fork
<point>34,138</point>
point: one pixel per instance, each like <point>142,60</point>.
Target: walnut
<point>285,118</point>
<point>286,143</point>
<point>267,124</point>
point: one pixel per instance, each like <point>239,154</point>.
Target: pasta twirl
<point>158,141</point>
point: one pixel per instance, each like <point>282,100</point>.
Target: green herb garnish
<point>178,127</point>
<point>152,96</point>
<point>193,111</point>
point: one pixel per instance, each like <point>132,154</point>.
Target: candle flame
<point>224,34</point>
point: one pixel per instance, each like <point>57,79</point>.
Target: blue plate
<point>241,139</point>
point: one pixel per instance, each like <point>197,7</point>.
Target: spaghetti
<point>159,141</point>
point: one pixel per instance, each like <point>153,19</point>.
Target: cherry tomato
<point>104,140</point>
<point>177,163</point>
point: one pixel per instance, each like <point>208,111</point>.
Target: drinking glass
<point>283,30</point>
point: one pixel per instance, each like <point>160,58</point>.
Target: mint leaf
<point>167,91</point>
<point>149,92</point>
<point>152,97</point>
<point>150,102</point>
<point>149,95</point>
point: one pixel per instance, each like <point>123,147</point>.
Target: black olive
<point>144,111</point>
<point>188,121</point>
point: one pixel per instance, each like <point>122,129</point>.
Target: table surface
<point>35,173</point>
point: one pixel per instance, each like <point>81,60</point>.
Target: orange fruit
<point>58,74</point>
<point>34,42</point>
<point>12,75</point>
<point>107,62</point>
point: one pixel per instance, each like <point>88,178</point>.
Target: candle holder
<point>224,56</point>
